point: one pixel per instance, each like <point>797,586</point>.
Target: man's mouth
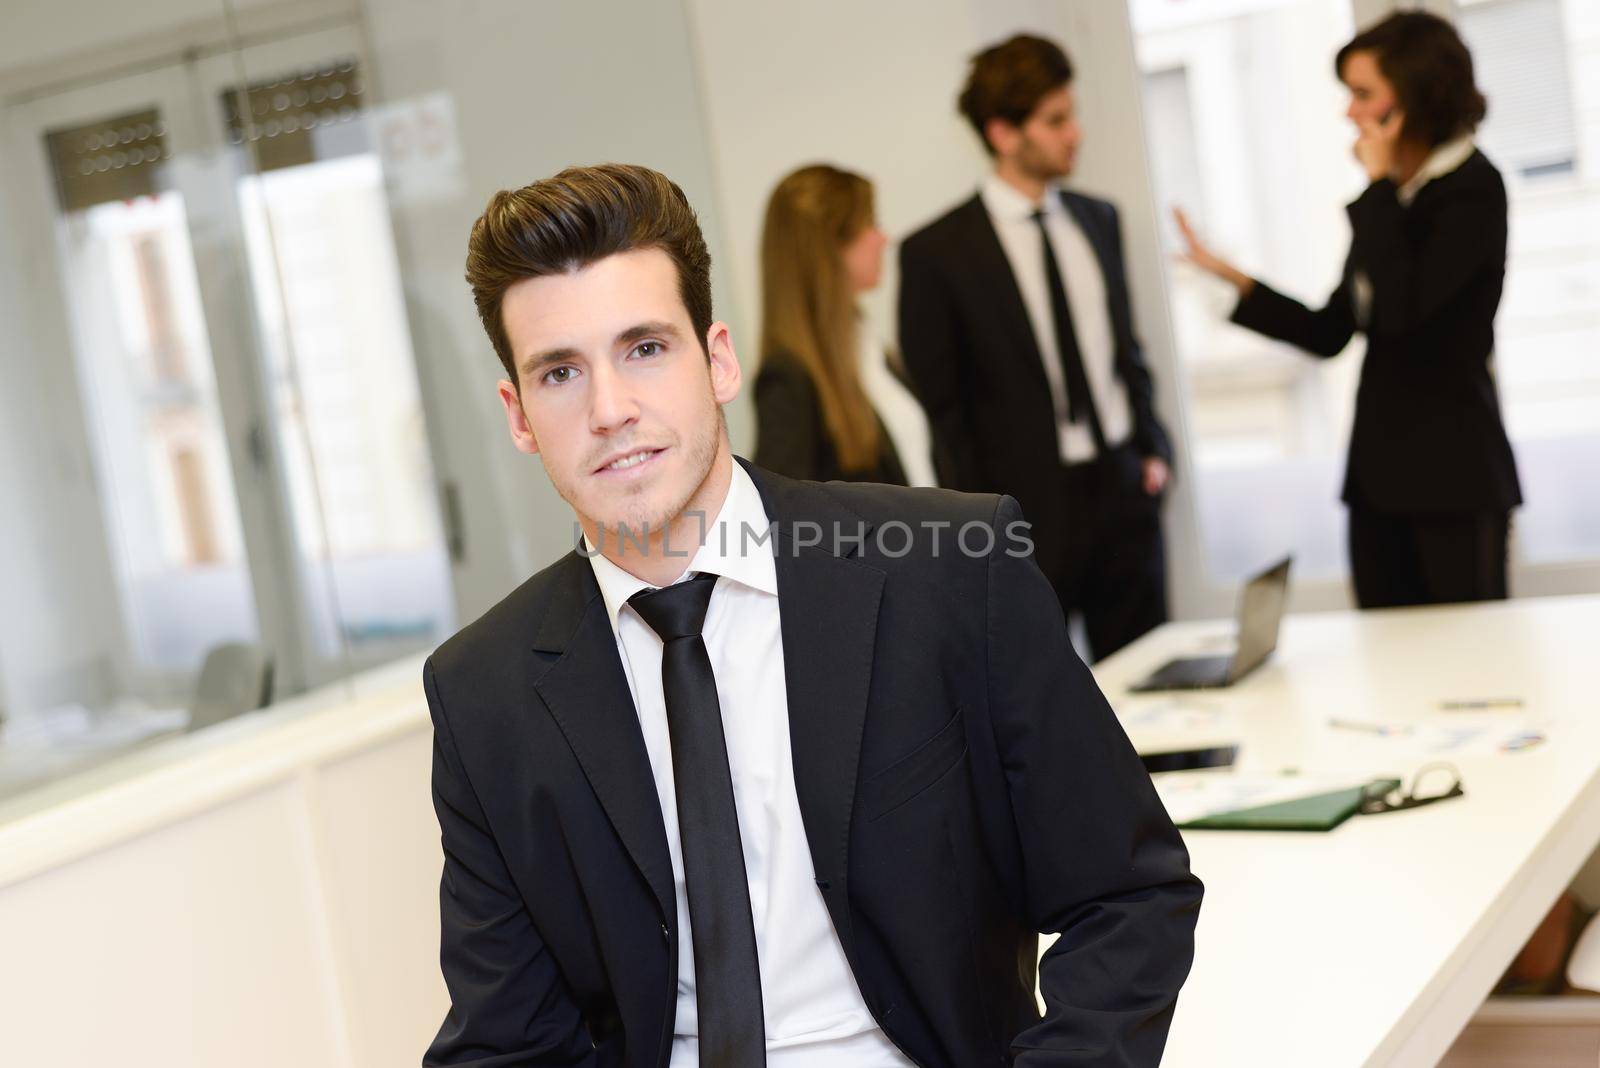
<point>628,461</point>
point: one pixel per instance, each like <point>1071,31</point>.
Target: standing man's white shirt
<point>814,1010</point>
<point>1012,216</point>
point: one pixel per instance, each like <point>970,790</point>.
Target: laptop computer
<point>1260,611</point>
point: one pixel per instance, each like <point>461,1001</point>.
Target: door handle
<point>256,447</point>
<point>455,536</point>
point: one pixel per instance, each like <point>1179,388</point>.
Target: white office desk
<point>1375,943</point>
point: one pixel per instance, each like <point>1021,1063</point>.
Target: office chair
<point>235,677</point>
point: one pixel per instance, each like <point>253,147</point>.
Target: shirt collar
<point>1004,202</point>
<point>736,547</point>
<point>1440,162</point>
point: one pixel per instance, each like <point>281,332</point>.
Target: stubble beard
<point>636,520</point>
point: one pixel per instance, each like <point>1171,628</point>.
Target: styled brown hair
<point>1423,57</point>
<point>576,218</point>
<point>808,310</point>
<point>1008,80</point>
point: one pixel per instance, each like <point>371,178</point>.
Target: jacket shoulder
<point>1095,204</point>
<point>944,230</point>
<point>508,628</point>
<point>1480,172</point>
<point>919,508</point>
<point>1476,178</point>
<point>781,369</point>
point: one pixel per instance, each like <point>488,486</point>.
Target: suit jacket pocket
<point>916,771</point>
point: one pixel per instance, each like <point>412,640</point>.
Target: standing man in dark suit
<point>1017,330</point>
<point>761,775</point>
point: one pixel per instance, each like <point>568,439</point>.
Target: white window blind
<point>1519,51</point>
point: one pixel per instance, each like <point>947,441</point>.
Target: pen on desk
<point>1381,729</point>
<point>1481,703</point>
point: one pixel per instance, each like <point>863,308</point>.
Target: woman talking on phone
<point>1430,481</point>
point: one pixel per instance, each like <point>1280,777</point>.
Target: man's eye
<point>557,375</point>
<point>648,349</point>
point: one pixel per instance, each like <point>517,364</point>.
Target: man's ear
<point>726,375</point>
<point>1002,136</point>
<point>516,419</point>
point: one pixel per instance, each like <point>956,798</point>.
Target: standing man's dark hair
<point>1007,81</point>
<point>1017,328</point>
<point>1429,67</point>
<point>765,764</point>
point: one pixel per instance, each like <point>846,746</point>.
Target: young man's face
<point>1045,146</point>
<point>617,397</point>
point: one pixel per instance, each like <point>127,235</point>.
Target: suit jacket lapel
<point>1100,242</point>
<point>829,620</point>
<point>587,695</point>
<point>994,277</point>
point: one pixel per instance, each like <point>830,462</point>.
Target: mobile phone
<point>1221,756</point>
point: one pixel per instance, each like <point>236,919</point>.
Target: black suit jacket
<point>1427,437</point>
<point>792,437</point>
<point>971,351</point>
<point>962,782</point>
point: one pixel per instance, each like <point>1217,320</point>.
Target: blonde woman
<point>829,403</point>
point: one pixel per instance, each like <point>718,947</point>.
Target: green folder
<point>1318,812</point>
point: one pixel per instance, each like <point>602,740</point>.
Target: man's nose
<point>612,403</point>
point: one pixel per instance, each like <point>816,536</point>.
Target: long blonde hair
<point>808,308</point>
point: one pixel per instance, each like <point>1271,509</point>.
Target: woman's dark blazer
<point>792,438</point>
<point>1428,438</point>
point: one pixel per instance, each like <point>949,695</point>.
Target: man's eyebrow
<point>539,360</point>
<point>655,328</point>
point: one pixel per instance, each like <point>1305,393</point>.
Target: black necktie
<point>727,974</point>
<point>1080,402</point>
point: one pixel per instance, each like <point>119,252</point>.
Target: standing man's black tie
<point>1080,401</point>
<point>727,974</point>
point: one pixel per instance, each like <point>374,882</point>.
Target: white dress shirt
<point>814,1011</point>
<point>1012,215</point>
<point>1440,162</point>
<point>899,409</point>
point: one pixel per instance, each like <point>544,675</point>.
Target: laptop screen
<point>1260,610</point>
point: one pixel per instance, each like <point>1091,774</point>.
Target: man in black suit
<point>1017,330</point>
<point>766,772</point>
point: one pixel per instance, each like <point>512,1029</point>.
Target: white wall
<point>258,895</point>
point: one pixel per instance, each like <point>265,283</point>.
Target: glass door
<point>337,369</point>
<point>230,292</point>
<point>117,182</point>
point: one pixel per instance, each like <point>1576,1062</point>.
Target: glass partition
<point>220,483</point>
